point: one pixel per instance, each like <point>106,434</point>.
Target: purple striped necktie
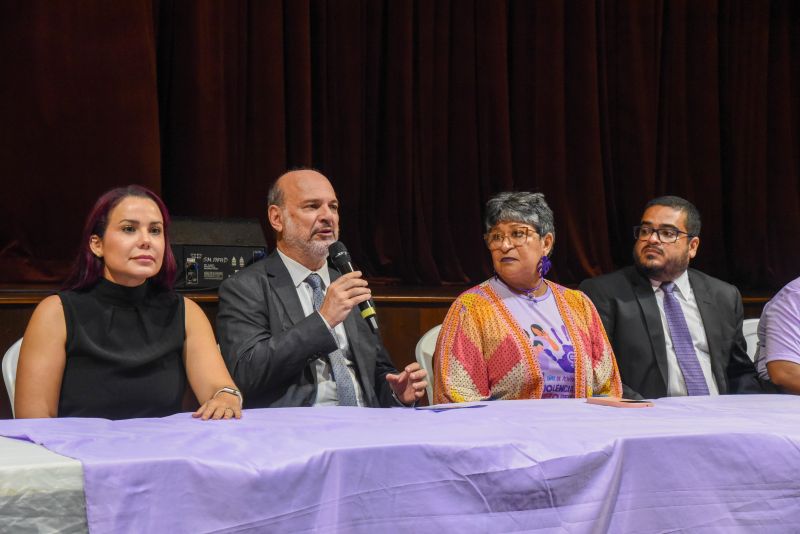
<point>682,343</point>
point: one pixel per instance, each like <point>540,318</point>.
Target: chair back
<point>10,370</point>
<point>750,332</point>
<point>426,346</point>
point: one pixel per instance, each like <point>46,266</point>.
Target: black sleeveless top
<point>124,352</point>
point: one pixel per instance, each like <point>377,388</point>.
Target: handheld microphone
<point>338,254</point>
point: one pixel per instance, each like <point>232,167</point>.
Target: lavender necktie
<point>682,343</point>
<point>345,388</point>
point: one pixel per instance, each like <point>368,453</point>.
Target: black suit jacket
<point>270,346</point>
<point>627,306</point>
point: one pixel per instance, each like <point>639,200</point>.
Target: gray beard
<point>312,248</point>
<point>317,250</point>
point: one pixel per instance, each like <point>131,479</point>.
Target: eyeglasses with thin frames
<point>665,235</point>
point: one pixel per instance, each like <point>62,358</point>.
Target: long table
<point>712,464</point>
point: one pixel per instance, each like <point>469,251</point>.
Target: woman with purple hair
<point>118,342</point>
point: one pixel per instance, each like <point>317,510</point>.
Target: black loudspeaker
<point>208,251</point>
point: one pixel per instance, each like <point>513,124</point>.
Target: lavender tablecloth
<point>723,464</point>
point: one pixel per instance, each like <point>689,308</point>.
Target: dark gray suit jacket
<point>628,308</point>
<point>270,346</point>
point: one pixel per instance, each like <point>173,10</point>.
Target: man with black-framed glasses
<point>675,330</point>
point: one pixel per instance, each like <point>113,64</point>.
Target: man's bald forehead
<point>294,180</point>
<point>298,182</point>
<point>298,174</point>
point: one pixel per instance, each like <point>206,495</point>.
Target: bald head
<point>304,212</point>
<point>301,178</point>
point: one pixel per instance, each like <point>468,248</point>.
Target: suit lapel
<point>283,287</point>
<point>652,318</point>
<point>711,326</point>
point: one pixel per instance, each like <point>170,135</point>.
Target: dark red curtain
<point>418,111</point>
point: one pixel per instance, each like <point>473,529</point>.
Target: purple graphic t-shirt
<point>542,323</point>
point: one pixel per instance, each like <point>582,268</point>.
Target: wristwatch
<point>230,391</point>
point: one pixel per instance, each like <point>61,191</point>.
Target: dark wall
<point>418,111</point>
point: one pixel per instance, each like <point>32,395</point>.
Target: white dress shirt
<point>326,385</point>
<point>675,384</point>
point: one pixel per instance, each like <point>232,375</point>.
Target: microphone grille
<point>338,252</point>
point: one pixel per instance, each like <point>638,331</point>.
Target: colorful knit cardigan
<point>482,353</point>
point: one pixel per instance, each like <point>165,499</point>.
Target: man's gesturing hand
<point>409,385</point>
<point>345,292</point>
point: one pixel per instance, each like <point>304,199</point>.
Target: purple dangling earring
<point>544,266</point>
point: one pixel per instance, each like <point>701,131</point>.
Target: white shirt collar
<point>682,283</point>
<point>299,272</point>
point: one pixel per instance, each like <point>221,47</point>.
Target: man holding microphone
<point>289,326</point>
